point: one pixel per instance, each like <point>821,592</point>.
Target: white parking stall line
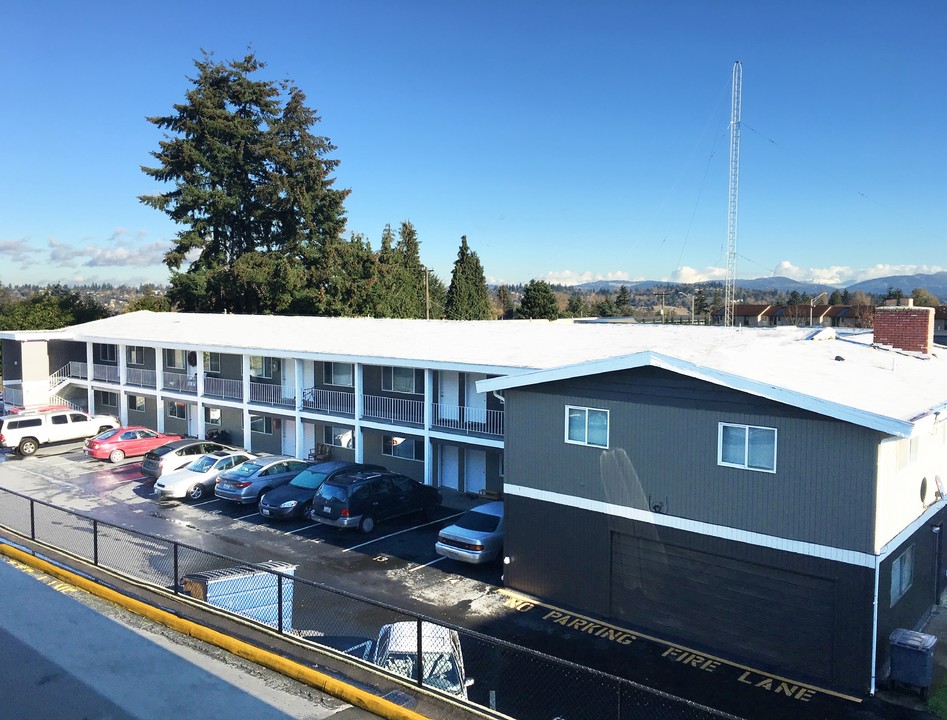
<point>244,517</point>
<point>418,567</point>
<point>290,532</point>
<point>206,502</point>
<point>416,527</point>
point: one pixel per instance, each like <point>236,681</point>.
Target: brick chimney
<point>904,327</point>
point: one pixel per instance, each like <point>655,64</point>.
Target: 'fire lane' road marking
<point>689,657</point>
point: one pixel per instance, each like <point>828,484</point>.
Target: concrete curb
<point>329,685</point>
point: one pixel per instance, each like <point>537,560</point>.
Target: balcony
<point>140,378</point>
<point>335,402</point>
<point>178,382</point>
<point>272,394</point>
<point>468,420</point>
<point>105,373</point>
<point>408,412</point>
<point>223,388</point>
<point>12,396</point>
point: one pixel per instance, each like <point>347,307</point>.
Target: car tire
<point>304,510</point>
<point>116,456</point>
<point>259,496</point>
<point>27,446</point>
<point>196,492</point>
<point>366,524</point>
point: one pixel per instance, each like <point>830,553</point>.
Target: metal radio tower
<point>737,101</point>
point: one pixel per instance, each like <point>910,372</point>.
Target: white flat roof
<point>836,374</point>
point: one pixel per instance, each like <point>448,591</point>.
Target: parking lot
<point>396,564</point>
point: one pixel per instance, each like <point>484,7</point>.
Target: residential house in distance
<point>771,495</point>
<point>803,314</point>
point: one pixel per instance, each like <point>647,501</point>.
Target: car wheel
<point>116,456</point>
<point>196,492</point>
<point>28,446</point>
<point>366,524</point>
<point>304,509</point>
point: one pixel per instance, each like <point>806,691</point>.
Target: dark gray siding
<point>663,449</point>
<point>64,351</point>
<point>12,360</point>
<point>373,454</point>
<point>148,417</point>
<point>566,555</point>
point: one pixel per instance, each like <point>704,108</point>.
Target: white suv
<point>28,430</point>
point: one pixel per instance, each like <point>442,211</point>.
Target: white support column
<point>201,432</point>
<point>90,393</point>
<point>301,451</point>
<point>159,383</point>
<point>428,414</point>
<point>122,375</point>
<point>357,430</point>
<point>245,376</point>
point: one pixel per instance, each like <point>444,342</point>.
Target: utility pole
<point>735,111</point>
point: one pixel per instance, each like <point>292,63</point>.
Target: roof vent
<point>904,327</point>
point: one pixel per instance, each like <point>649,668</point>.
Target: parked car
<point>442,662</point>
<point>175,455</point>
<point>27,431</point>
<point>361,499</point>
<point>119,443</point>
<point>248,482</point>
<point>194,481</point>
<point>477,537</point>
<point>294,499</point>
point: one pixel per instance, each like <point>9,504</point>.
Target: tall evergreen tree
<point>467,295</point>
<point>538,301</point>
<point>252,187</point>
<point>623,301</point>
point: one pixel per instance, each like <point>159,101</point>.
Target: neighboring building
<point>802,314</point>
<point>772,495</point>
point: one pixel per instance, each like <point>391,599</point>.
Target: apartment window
<point>746,446</point>
<point>136,355</point>
<point>174,359</point>
<point>902,574</point>
<point>262,367</point>
<point>586,426</point>
<point>177,410</point>
<point>136,403</point>
<point>106,399</point>
<point>261,424</point>
<point>341,374</point>
<point>338,436</point>
<point>402,380</point>
<point>211,416</point>
<point>212,362</point>
<point>107,353</point>
<point>407,448</point>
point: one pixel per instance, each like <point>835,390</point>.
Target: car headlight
<point>289,504</point>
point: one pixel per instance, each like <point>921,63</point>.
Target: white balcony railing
<point>179,382</point>
<point>468,419</point>
<point>12,396</point>
<point>223,388</point>
<point>140,377</point>
<point>271,394</point>
<point>105,373</point>
<point>397,409</point>
<point>330,401</point>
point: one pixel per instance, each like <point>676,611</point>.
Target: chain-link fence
<point>493,674</point>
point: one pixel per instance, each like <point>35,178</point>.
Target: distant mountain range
<point>934,283</point>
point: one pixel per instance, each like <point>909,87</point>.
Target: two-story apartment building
<point>772,495</point>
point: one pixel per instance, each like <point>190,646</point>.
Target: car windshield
<point>247,469</point>
<point>310,479</point>
<point>159,451</point>
<point>328,491</point>
<point>478,521</point>
<point>106,435</point>
<point>440,671</point>
<point>202,464</point>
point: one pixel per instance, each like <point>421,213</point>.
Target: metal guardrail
<point>507,679</point>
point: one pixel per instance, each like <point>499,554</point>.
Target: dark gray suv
<point>362,499</point>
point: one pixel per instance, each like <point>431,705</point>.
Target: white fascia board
<point>873,421</point>
<point>33,335</point>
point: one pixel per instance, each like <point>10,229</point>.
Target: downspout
<point>874,628</point>
<point>498,396</point>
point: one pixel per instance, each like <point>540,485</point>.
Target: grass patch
<point>937,701</point>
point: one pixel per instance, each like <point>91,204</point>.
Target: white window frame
<point>746,446</point>
<point>331,433</point>
<point>105,397</point>
<point>211,362</point>
<point>136,355</point>
<point>136,403</point>
<point>329,374</point>
<point>264,368</point>
<point>902,574</point>
<point>387,441</point>
<point>267,424</point>
<point>584,440</point>
<point>107,352</point>
<point>171,358</point>
<point>212,416</point>
<point>388,383</point>
<point>173,406</point>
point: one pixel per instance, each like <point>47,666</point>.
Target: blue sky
<point>568,141</point>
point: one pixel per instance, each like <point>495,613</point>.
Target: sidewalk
<point>66,654</point>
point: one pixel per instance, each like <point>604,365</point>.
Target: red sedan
<point>115,445</point>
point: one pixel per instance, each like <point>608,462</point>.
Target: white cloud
<point>119,250</point>
<point>685,274</point>
<point>16,251</point>
<point>844,275</point>
<point>570,277</point>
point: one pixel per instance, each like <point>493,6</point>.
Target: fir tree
<point>538,301</point>
<point>467,295</point>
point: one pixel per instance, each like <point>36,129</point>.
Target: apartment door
<point>448,396</point>
<point>449,466</point>
<point>475,470</point>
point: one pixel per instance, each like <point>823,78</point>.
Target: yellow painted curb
<point>329,685</point>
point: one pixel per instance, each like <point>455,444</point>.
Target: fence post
<point>279,602</point>
<point>174,580</point>
<point>95,541</point>
<point>32,520</point>
<point>420,661</point>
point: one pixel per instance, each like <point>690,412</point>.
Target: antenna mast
<point>736,103</point>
